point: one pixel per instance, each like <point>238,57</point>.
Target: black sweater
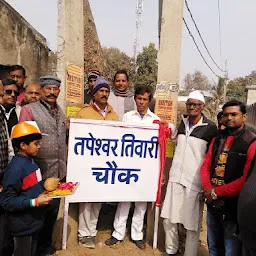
<point>247,210</point>
<point>22,182</point>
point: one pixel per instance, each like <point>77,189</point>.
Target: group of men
<point>35,102</point>
<point>212,166</point>
<point>117,105</point>
<point>209,165</point>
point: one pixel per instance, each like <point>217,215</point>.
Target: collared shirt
<point>3,144</point>
<point>103,112</point>
<point>134,117</point>
<point>27,115</point>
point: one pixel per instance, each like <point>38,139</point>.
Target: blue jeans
<point>221,234</point>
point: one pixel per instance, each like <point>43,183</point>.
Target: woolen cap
<point>196,95</point>
<point>49,80</point>
<point>100,82</point>
<point>93,74</point>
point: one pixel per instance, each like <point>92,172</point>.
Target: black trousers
<point>6,240</point>
<point>44,240</point>
<point>25,245</point>
<point>248,251</point>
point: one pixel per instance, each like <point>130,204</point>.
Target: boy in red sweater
<point>22,196</point>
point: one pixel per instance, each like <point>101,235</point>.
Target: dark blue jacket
<point>22,182</point>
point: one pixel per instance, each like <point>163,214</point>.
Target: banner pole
<point>65,225</point>
<point>156,227</point>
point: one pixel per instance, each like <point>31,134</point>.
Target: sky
<point>115,21</point>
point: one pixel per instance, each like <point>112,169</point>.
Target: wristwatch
<point>213,194</point>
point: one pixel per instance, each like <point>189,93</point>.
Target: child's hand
<point>43,199</point>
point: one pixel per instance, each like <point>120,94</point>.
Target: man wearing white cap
<point>183,202</point>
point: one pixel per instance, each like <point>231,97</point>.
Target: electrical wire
<point>198,47</point>
<point>191,15</point>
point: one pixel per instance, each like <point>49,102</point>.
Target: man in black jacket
<point>247,212</point>
<point>5,245</point>
<point>223,173</point>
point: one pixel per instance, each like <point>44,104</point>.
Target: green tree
<point>147,66</point>
<point>196,81</point>
<point>213,104</point>
<point>236,89</point>
<point>114,60</point>
<point>252,76</point>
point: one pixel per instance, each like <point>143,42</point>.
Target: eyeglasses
<point>191,104</point>
<point>10,92</point>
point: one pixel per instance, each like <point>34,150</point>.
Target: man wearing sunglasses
<point>225,168</point>
<point>51,159</point>
<point>183,202</point>
<point>9,107</point>
<point>5,245</point>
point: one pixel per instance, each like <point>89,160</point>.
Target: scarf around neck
<point>126,93</point>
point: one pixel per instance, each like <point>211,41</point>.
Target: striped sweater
<point>22,182</point>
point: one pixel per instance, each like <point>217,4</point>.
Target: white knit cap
<point>196,95</point>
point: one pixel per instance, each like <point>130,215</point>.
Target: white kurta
<point>182,205</point>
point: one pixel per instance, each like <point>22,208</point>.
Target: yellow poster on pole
<point>74,86</point>
<point>165,109</point>
<point>71,111</point>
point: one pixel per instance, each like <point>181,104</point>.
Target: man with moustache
<point>98,109</point>
<point>32,94</point>
<point>230,158</point>
<point>18,74</point>
<point>52,156</point>
<point>121,98</point>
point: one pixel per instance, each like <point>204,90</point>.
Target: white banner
<point>113,161</point>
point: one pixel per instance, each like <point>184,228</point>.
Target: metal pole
<point>156,227</point>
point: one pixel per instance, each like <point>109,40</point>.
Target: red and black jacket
<point>22,182</point>
<point>239,164</point>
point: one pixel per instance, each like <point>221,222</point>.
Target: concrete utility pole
<point>70,51</point>
<point>225,83</point>
<point>170,29</point>
<point>70,42</point>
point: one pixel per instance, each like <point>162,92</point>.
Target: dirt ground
<point>126,247</point>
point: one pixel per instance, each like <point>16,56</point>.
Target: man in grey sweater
<point>121,98</point>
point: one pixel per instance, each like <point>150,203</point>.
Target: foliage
<point>114,60</point>
<point>147,66</point>
<point>196,81</point>
<point>253,77</point>
<point>236,89</point>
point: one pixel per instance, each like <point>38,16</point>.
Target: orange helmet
<point>24,129</point>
